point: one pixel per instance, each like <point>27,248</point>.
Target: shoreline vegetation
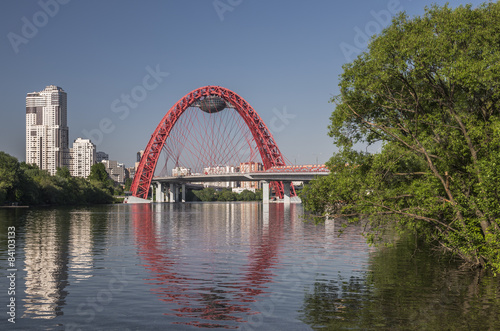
<point>24,184</point>
<point>426,93</point>
<point>210,194</point>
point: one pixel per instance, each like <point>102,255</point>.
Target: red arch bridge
<point>213,127</point>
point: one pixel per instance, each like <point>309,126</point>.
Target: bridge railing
<point>299,168</point>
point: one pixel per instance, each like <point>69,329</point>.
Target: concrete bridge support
<point>159,192</point>
<point>174,191</point>
<point>172,196</point>
<point>286,192</point>
<point>265,192</point>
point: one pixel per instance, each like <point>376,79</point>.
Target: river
<point>238,265</point>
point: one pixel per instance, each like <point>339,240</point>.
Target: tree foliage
<point>98,173</point>
<point>210,194</point>
<point>28,185</point>
<point>100,178</point>
<point>128,184</point>
<point>428,89</point>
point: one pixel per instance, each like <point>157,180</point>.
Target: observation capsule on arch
<point>212,104</point>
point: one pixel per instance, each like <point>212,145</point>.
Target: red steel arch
<point>269,151</point>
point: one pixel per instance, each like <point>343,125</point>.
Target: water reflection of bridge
<point>198,291</point>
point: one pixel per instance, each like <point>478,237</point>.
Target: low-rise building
<point>250,167</point>
<point>115,170</point>
<point>181,171</point>
<point>219,170</point>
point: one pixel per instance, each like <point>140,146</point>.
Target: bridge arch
<point>268,149</point>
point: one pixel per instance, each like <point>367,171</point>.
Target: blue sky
<point>283,57</point>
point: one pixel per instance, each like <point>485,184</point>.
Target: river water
<point>226,265</point>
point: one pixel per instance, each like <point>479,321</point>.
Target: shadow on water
<point>407,287</point>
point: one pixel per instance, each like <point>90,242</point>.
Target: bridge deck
<point>303,176</point>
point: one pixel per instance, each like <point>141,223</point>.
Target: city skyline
<point>131,62</point>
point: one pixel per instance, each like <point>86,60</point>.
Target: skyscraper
<point>47,129</point>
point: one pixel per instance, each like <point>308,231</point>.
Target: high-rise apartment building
<point>83,156</point>
<point>47,129</point>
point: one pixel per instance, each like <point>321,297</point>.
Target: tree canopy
<point>426,91</point>
<point>28,185</point>
<point>210,194</point>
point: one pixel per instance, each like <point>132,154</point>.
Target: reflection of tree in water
<point>337,304</point>
<point>401,293</point>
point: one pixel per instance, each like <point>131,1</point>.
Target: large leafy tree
<point>9,177</point>
<point>100,178</point>
<point>428,91</point>
<point>98,173</point>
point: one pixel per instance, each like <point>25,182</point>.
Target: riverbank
<point>14,206</point>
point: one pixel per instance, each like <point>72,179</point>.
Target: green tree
<point>207,194</point>
<point>128,184</point>
<point>63,172</point>
<point>98,173</point>
<point>428,90</point>
<point>227,195</point>
<point>247,195</point>
<point>100,178</point>
<point>27,184</point>
<point>30,188</point>
<point>9,177</point>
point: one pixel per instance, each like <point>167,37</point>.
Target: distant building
<point>115,170</point>
<point>250,167</point>
<point>47,129</point>
<point>83,156</point>
<point>218,170</point>
<point>100,156</point>
<point>139,156</point>
<point>181,171</point>
<point>130,172</point>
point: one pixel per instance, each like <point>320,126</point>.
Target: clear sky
<point>283,57</point>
